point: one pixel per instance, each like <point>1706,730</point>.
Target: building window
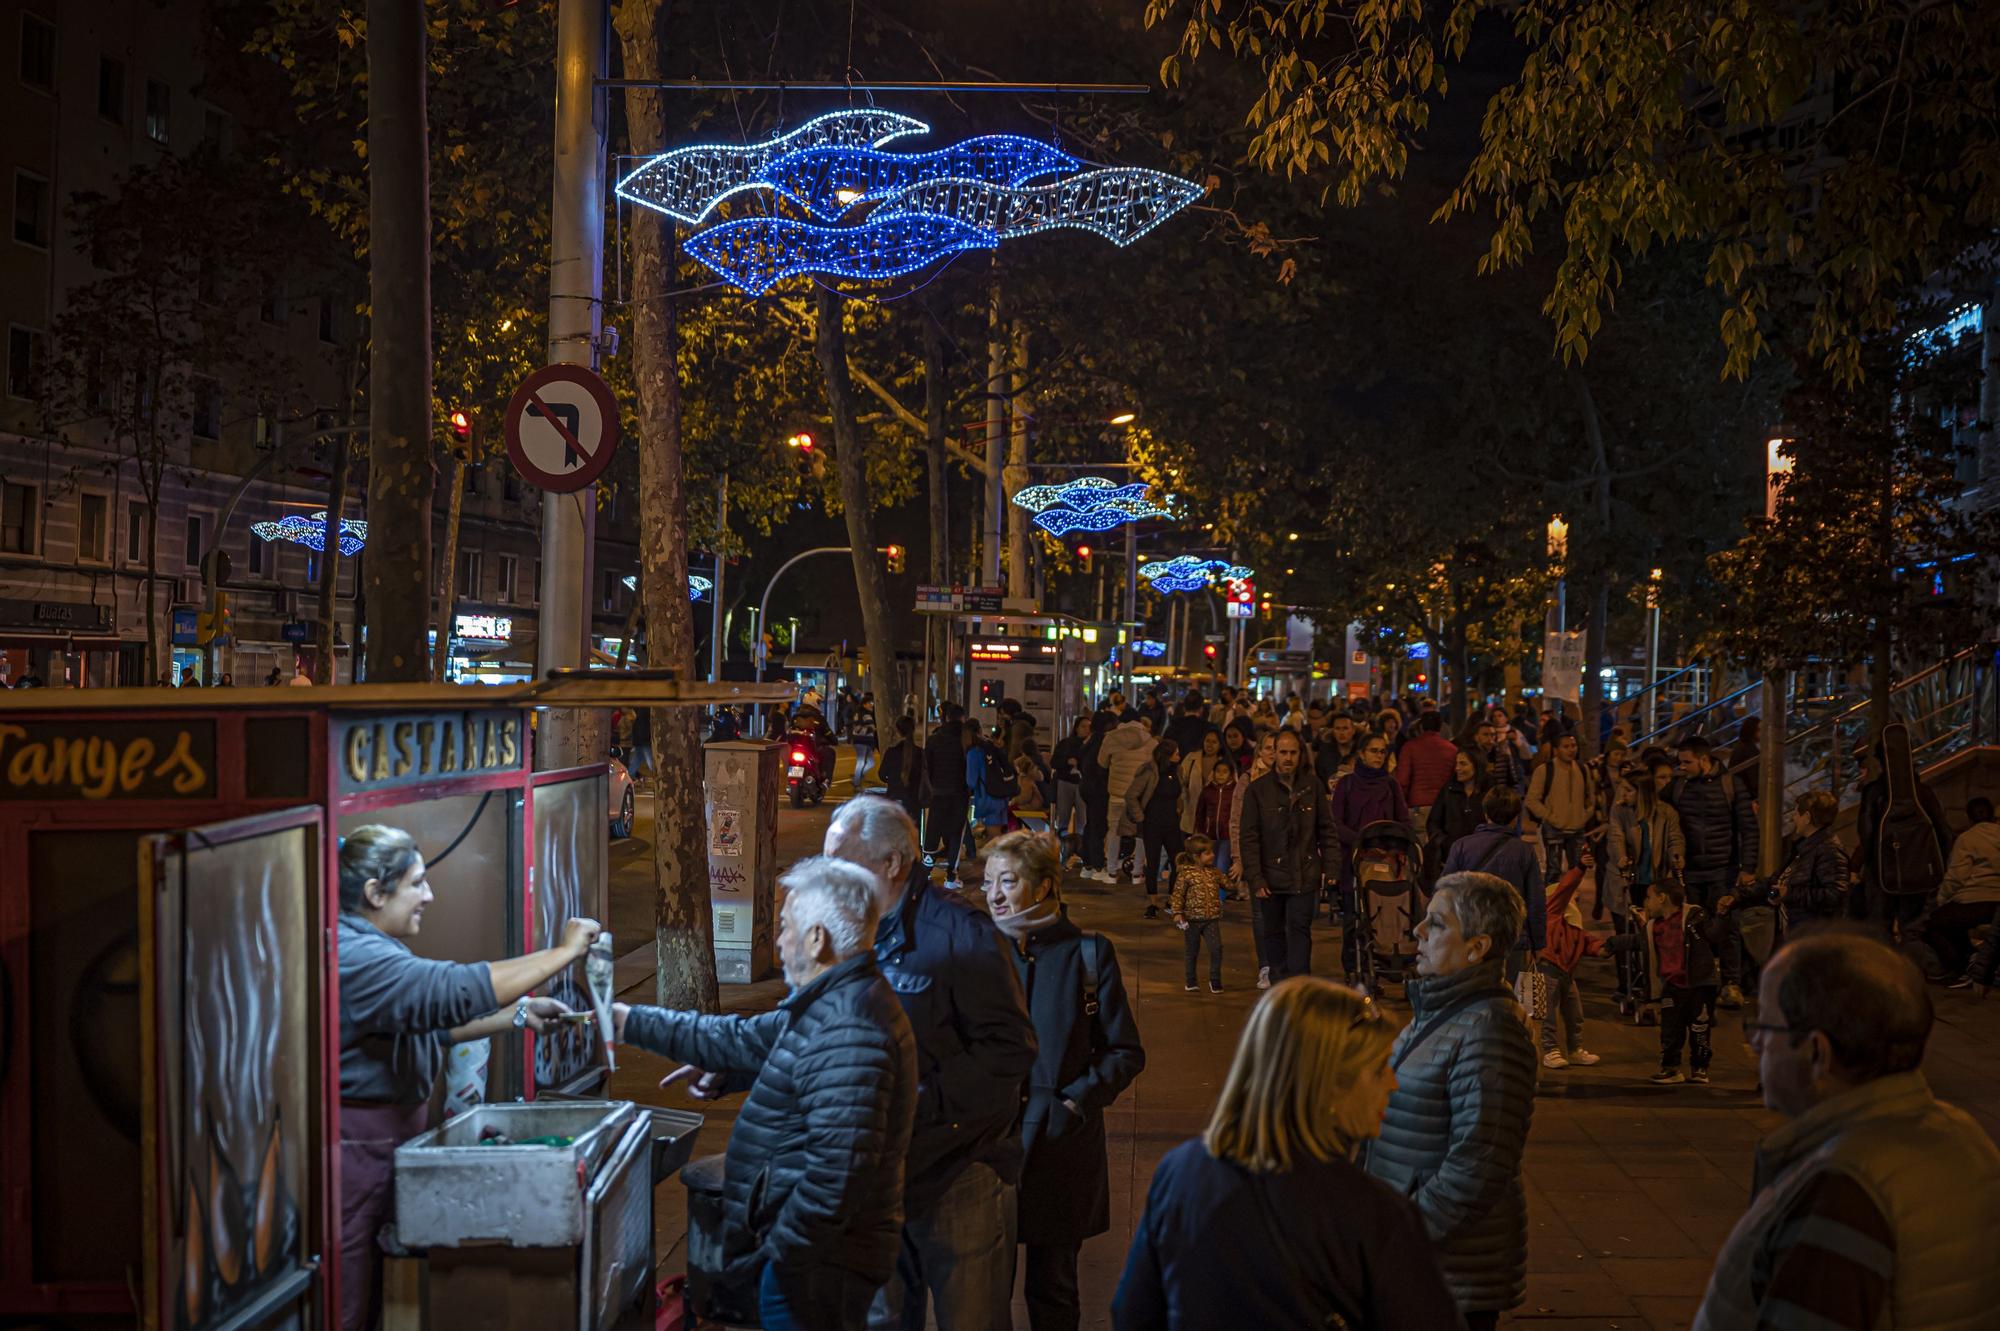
<point>20,519</point>
<point>24,363</point>
<point>135,532</point>
<point>326,319</point>
<point>194,547</point>
<point>509,572</point>
<point>111,89</point>
<point>610,581</point>
<point>159,105</point>
<point>259,556</point>
<point>272,311</point>
<point>510,484</point>
<point>470,566</point>
<point>207,414</point>
<point>31,210</point>
<point>38,53</point>
<point>93,521</point>
<point>535,592</point>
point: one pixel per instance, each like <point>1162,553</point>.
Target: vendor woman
<point>399,1016</point>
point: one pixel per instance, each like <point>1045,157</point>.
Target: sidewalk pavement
<point>1631,1187</point>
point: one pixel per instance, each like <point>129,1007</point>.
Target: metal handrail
<point>1705,708</point>
<point>1659,683</point>
<point>1911,682</point>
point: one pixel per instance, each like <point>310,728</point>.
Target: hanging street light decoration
<point>311,532</point>
<point>698,586</point>
<point>1089,503</point>
<point>897,212</point>
<point>1185,573</point>
<point>687,183</point>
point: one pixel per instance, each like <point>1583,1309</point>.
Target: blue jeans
<point>1222,854</point>
<point>817,1298</point>
<point>959,1253</point>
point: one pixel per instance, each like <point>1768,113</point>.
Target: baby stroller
<point>1388,902</point>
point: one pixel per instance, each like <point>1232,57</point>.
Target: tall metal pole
<point>721,565</point>
<point>576,288</point>
<point>1131,604</point>
<point>1653,671</point>
<point>993,531</point>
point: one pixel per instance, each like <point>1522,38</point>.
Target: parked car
<point>622,802</point>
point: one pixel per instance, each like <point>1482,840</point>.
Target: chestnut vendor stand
<point>169,1005</point>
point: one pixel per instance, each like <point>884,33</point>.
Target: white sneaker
<point>1584,1058</point>
<point>1554,1059</point>
<point>1263,977</point>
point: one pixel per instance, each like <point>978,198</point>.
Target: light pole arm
<point>764,603</point>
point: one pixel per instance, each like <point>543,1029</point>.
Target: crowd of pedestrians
<point>925,1121</point>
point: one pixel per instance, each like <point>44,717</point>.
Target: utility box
<point>740,790</point>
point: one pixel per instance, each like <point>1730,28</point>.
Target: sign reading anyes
<point>380,752</point>
<point>132,760</point>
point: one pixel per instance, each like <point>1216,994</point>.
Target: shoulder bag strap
<point>1491,851</point>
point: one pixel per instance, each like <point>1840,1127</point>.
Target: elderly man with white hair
<point>813,1187</point>
<point>954,975</point>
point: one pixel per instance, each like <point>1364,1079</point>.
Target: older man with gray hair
<point>813,1187</point>
<point>1876,1204</point>
<point>951,969</point>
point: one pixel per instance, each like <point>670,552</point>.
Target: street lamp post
<point>1653,654</point>
<point>721,562</point>
<point>1559,556</point>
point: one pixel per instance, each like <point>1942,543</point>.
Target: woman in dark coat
<point>1457,811</point>
<point>1265,1220</point>
<point>1086,1059</point>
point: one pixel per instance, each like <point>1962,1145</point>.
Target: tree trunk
<point>448,584</point>
<point>830,341</point>
<point>937,638</point>
<point>1015,478</point>
<point>683,928</point>
<point>992,525</point>
<point>329,569</point>
<point>401,483</point>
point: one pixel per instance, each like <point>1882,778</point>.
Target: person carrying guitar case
<point>1905,839</point>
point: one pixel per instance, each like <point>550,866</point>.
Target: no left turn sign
<point>562,427</point>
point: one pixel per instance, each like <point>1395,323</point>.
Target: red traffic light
<point>461,425</point>
<point>1083,552</point>
<point>1208,650</point>
<point>803,442</point>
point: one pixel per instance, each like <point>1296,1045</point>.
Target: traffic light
<point>461,426</point>
<point>802,442</point>
<point>1083,553</point>
<point>895,554</point>
<point>1208,650</point>
<point>1267,607</point>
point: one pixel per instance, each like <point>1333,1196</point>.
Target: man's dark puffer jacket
<point>1717,822</point>
<point>815,1165</point>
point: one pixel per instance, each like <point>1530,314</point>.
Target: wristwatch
<point>521,1013</point>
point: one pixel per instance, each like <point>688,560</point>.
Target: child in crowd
<point>1569,943</point>
<point>1677,941</point>
<point>1196,905</point>
<point>1212,809</point>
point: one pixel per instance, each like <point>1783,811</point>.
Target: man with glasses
<point>1288,844</point>
<point>1876,1204</point>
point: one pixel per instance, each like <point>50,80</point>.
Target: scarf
<point>1020,925</point>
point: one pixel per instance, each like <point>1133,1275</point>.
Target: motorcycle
<point>808,767</point>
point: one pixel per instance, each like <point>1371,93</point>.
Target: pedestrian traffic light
<point>461,426</point>
<point>1083,558</point>
<point>895,554</point>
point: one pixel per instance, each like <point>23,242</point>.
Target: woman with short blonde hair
<point>1266,1220</point>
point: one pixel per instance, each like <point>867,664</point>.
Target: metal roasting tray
<point>674,1133</point>
<point>452,1192</point>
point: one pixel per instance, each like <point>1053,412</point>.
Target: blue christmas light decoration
<point>759,252</point>
<point>698,586</point>
<point>900,212</point>
<point>827,182</point>
<point>1151,647</point>
<point>1119,203</point>
<point>311,532</point>
<point>1089,503</point>
<point>1185,573</point>
<point>687,183</point>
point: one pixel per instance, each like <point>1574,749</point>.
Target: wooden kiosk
<point>169,1006</point>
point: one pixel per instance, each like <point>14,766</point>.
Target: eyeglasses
<point>1755,1031</point>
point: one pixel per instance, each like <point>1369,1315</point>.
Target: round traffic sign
<point>562,426</point>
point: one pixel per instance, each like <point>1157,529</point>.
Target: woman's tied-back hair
<point>375,851</point>
<point>1307,1041</point>
<point>1036,856</point>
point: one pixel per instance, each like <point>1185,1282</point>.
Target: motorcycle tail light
<point>798,755</point>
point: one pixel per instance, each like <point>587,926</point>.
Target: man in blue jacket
<point>1496,847</point>
<point>1719,824</point>
<point>950,968</point>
